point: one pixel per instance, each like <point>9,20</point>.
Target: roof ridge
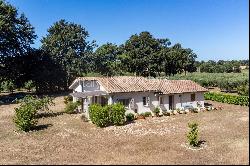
<point>138,83</point>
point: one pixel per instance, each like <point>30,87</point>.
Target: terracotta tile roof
<point>141,84</point>
<point>180,86</point>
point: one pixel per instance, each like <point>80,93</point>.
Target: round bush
<point>147,114</point>
<point>99,115</point>
<point>117,114</point>
<point>130,117</point>
<point>25,117</point>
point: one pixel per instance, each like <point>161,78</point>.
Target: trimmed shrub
<point>67,99</point>
<point>130,117</point>
<point>117,114</point>
<point>26,114</point>
<point>147,114</point>
<point>106,115</point>
<point>99,115</point>
<point>192,135</point>
<point>71,107</point>
<point>25,117</point>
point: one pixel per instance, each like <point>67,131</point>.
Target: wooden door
<point>171,102</point>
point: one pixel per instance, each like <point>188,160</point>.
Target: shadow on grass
<point>49,114</point>
<point>128,122</point>
<point>200,143</point>
<point>110,124</point>
<point>41,127</point>
<point>10,98</point>
<point>208,104</point>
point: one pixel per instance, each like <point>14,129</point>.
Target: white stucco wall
<point>137,96</point>
<point>178,102</point>
<point>185,99</point>
<point>78,88</point>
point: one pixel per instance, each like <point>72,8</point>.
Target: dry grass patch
<point>69,140</point>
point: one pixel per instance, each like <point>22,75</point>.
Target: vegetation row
<point>225,98</point>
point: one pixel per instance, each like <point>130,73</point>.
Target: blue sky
<point>214,29</point>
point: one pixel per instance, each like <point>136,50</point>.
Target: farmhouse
<point>137,94</point>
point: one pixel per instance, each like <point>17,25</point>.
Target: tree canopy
<point>141,53</point>
<point>106,60</point>
<point>66,53</point>
<point>16,37</point>
<point>67,44</point>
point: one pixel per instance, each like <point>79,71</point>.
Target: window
<point>193,97</point>
<point>145,101</point>
<point>125,102</point>
<point>161,99</point>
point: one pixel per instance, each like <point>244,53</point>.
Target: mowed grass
<point>67,139</point>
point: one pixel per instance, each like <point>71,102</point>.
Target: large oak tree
<point>67,44</point>
<point>16,37</point>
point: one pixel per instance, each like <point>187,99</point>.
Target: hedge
<point>107,115</point>
<point>117,114</point>
<point>99,115</point>
<point>26,114</point>
<point>226,98</point>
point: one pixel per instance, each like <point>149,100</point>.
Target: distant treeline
<point>66,53</point>
<point>221,66</point>
<point>228,82</point>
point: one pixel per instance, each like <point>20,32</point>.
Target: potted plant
<point>147,114</point>
<point>141,116</point>
<point>156,111</point>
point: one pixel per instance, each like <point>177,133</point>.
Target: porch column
<point>86,106</point>
<point>74,99</point>
<point>110,100</point>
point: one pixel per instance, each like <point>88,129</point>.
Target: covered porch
<point>91,97</point>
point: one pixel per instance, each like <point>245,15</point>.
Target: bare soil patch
<point>66,139</point>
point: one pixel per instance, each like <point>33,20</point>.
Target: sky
<point>213,29</point>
